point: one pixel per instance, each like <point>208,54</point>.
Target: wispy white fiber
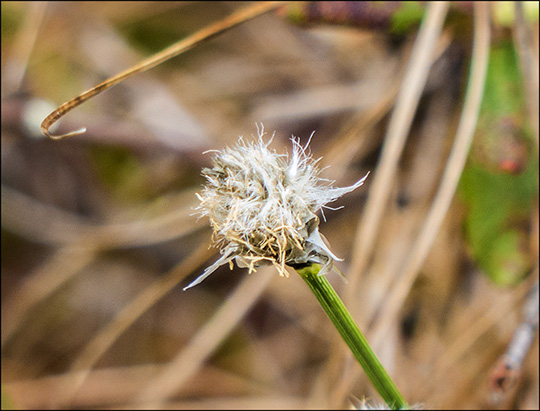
<point>262,206</point>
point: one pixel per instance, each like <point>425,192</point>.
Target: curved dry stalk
<point>190,358</point>
<point>174,50</point>
<point>105,338</point>
<point>452,173</point>
<point>407,101</point>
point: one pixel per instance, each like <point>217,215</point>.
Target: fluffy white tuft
<point>262,206</point>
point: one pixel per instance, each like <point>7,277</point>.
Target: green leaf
<point>407,16</point>
<point>500,182</point>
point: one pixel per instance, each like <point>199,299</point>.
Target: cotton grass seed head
<point>262,206</point>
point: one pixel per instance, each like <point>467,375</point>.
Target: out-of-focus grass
<point>91,224</point>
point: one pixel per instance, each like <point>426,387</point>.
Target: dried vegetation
<point>99,237</point>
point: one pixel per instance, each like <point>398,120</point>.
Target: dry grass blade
<point>524,41</point>
<point>452,173</point>
<point>104,339</point>
<point>63,265</point>
<point>189,359</point>
<point>350,141</point>
<point>413,84</point>
<point>174,50</point>
<point>450,179</point>
<point>82,243</point>
<point>33,220</point>
<point>471,331</point>
<point>271,402</point>
<point>15,69</point>
<point>93,227</point>
<point>117,387</point>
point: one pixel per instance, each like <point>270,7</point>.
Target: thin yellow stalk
<point>174,50</point>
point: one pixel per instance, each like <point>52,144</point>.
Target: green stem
<point>351,334</point>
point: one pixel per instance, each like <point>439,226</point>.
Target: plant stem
<point>351,334</point>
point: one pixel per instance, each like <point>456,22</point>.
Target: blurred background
<point>99,236</point>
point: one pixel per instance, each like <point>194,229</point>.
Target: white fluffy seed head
<point>262,206</point>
